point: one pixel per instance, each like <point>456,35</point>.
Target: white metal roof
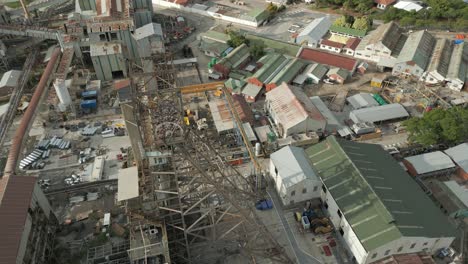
<point>148,30</point>
<point>459,154</point>
<point>127,184</point>
<point>262,133</point>
<point>98,168</point>
<point>362,100</point>
<point>292,165</point>
<point>429,162</point>
<point>378,113</point>
<point>251,90</point>
<point>10,78</point>
<point>106,221</point>
<point>249,132</point>
<point>408,6</point>
<point>292,106</point>
<point>459,191</point>
<point>316,29</point>
<point>221,124</point>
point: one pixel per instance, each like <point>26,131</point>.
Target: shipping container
<point>91,94</point>
<point>88,104</point>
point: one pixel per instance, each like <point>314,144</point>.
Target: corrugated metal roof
<point>292,106</point>
<point>293,166</point>
<point>378,113</point>
<point>332,43</point>
<point>327,58</point>
<point>459,154</point>
<point>271,64</point>
<point>429,162</point>
<point>458,63</point>
<point>362,100</point>
<point>16,195</point>
<point>288,72</point>
<point>332,122</point>
<point>148,30</point>
<point>376,196</point>
<point>315,30</point>
<point>215,36</point>
<point>418,49</point>
<point>127,184</point>
<point>235,57</point>
<point>408,6</point>
<point>10,78</point>
<point>440,59</point>
<point>222,116</point>
<point>105,48</point>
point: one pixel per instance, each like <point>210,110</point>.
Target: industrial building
<point>459,155</point>
<point>28,223</point>
<point>458,67</point>
<point>286,74</point>
<point>223,118</point>
<point>378,114</point>
<point>330,59</point>
<point>415,54</point>
<point>150,40</point>
<point>333,125</point>
<point>375,206</point>
<point>385,42</point>
<point>452,198</point>
<point>314,32</point>
<point>213,43</point>
<point>108,60</point>
<point>269,66</point>
<point>331,46</point>
<point>234,60</point>
<point>429,164</point>
<point>292,111</point>
<point>295,180</point>
<point>314,72</point>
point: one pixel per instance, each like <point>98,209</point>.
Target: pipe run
<point>28,115</point>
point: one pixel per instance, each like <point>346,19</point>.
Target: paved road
<point>301,257</point>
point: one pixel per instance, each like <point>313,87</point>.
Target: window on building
<point>291,202</point>
<point>325,205</point>
<point>416,71</point>
<point>400,249</point>
<point>276,171</point>
<point>368,49</point>
<point>304,190</point>
<point>368,56</point>
<point>413,245</point>
<point>339,213</point>
<point>102,37</point>
<point>425,249</point>
<point>324,189</point>
<point>341,231</point>
<point>425,243</point>
<point>293,193</point>
<point>359,54</point>
<point>374,255</point>
<point>315,188</point>
<point>113,36</point>
<point>387,252</point>
<point>377,50</point>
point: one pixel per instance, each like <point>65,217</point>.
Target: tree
<point>342,22</point>
<point>236,39</point>
<point>362,23</point>
<point>407,21</point>
<point>257,51</point>
<point>439,126</point>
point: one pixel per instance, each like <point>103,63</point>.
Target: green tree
<point>407,21</point>
<point>342,22</point>
<point>257,51</point>
<point>236,39</point>
<point>362,23</point>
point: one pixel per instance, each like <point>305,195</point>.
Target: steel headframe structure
<point>208,207</point>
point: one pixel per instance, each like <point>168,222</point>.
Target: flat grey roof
<point>127,184</point>
<point>332,121</point>
<point>429,162</point>
<point>378,113</point>
<point>10,78</point>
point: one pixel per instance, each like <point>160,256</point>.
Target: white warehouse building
<point>295,180</point>
<point>375,206</point>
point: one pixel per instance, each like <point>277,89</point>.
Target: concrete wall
<point>207,13</point>
<point>329,48</point>
<point>353,244</point>
<point>305,126</point>
<point>312,188</point>
<point>408,245</point>
<point>312,43</point>
<point>407,68</point>
<point>455,84</point>
<point>24,240</point>
<point>373,52</point>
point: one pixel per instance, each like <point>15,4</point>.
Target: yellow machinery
<point>199,88</point>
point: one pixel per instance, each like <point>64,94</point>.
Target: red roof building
<point>332,46</point>
<point>382,4</point>
<point>327,58</point>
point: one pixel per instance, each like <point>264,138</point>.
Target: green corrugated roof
<point>350,31</point>
<point>288,72</point>
<point>379,199</point>
<point>279,46</point>
<point>258,14</point>
<point>235,57</point>
<point>272,63</point>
